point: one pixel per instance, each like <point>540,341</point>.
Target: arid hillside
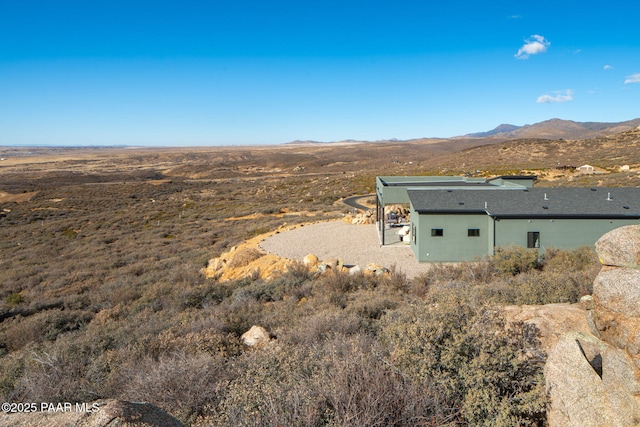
<point>102,295</point>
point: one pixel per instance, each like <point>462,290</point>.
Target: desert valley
<point>104,296</point>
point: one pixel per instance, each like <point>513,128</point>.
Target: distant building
<point>586,169</point>
<point>458,218</point>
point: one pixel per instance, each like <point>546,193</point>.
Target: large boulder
<point>616,308</point>
<point>594,379</point>
<point>620,247</point>
<point>551,320</point>
<point>574,386</point>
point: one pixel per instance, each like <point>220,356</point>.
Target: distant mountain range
<point>549,129</point>
<point>557,129</point>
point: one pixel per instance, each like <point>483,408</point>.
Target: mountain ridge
<point>558,129</point>
<point>549,129</point>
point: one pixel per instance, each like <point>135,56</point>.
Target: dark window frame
<point>473,232</point>
<point>533,239</point>
<point>437,232</point>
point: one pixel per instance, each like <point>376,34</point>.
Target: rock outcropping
<point>107,413</point>
<point>594,379</point>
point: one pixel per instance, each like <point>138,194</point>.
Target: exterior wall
<point>557,233</point>
<point>455,243</point>
<point>392,195</point>
<point>397,194</point>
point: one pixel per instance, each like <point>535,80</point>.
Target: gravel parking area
<point>354,244</point>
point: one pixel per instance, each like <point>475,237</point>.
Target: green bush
<point>343,381</point>
<point>515,260</point>
<point>489,370</point>
<point>13,299</point>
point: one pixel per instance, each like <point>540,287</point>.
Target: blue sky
<point>169,73</point>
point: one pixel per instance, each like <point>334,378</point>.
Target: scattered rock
<point>361,218</point>
<point>335,263</point>
<point>249,260</point>
<point>310,260</point>
<point>355,270</point>
<point>257,336</point>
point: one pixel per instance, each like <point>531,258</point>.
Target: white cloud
<point>560,96</point>
<point>608,67</point>
<point>533,46</point>
<point>633,78</point>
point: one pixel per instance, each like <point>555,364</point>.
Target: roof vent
<point>609,198</point>
<point>594,189</point>
<point>546,197</point>
<point>545,207</point>
<point>625,207</point>
<point>486,205</point>
<point>461,203</point>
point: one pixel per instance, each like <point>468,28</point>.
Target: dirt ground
<point>354,244</point>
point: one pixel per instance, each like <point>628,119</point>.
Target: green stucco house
<point>459,218</point>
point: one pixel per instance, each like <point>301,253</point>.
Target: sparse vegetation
<point>101,295</point>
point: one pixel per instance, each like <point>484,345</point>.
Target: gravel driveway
<point>354,244</point>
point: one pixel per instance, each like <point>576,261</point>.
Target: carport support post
<point>380,213</point>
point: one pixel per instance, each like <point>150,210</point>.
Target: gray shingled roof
<point>452,183</point>
<point>531,203</point>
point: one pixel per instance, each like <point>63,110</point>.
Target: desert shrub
<point>11,370</point>
<point>58,372</point>
<point>270,387</point>
<point>369,305</point>
<point>244,257</point>
<point>43,326</point>
<point>295,282</point>
<point>292,283</point>
<point>396,280</point>
<point>490,371</point>
<point>579,259</point>
<point>343,381</point>
<point>362,388</point>
<point>340,282</point>
<point>186,275</point>
<point>185,385</point>
<point>321,326</point>
<point>515,259</point>
<point>257,290</point>
<point>550,287</point>
<point>479,272</point>
<point>237,316</point>
<point>206,341</point>
<point>14,298</point>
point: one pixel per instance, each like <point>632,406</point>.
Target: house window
<point>533,239</point>
<point>473,232</point>
<point>413,233</point>
<point>437,232</point>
